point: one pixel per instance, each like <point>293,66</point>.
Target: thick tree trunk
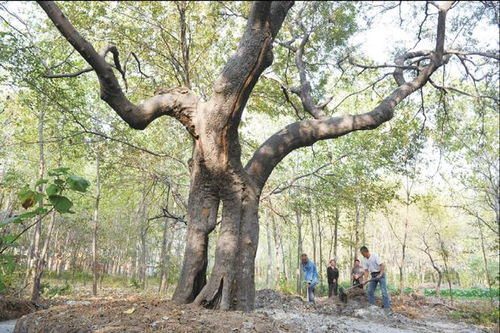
<point>232,282</point>
<point>203,206</point>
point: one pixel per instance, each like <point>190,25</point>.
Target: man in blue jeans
<point>310,276</point>
<point>374,265</point>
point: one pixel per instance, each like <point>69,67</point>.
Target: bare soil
<point>12,308</point>
<point>275,312</point>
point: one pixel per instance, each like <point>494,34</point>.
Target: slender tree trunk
<point>287,272</point>
<point>277,243</point>
<point>330,239</point>
<point>351,250</point>
<point>444,254</point>
<point>298,221</point>
<point>96,222</point>
<point>35,291</point>
<point>269,274</point>
<point>320,238</point>
<point>405,237</point>
<point>313,238</point>
<point>364,224</point>
<point>165,257</point>
<point>335,231</point>
<point>356,230</point>
<point>142,256</point>
<point>436,268</point>
<point>485,260</point>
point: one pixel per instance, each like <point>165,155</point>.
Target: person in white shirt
<point>374,265</point>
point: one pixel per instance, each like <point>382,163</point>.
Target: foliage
<point>54,291</point>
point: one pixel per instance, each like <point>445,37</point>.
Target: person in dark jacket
<point>333,277</point>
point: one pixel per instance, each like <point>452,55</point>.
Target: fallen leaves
<point>129,311</point>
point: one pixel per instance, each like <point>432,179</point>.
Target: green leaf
<point>52,189</point>
<point>38,196</point>
<point>41,181</point>
<point>61,203</point>
<point>77,183</point>
<point>10,220</point>
<point>58,172</point>
<point>58,181</point>
<point>28,215</point>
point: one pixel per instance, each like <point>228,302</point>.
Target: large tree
<point>217,173</point>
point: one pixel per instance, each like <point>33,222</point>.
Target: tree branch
<point>233,87</point>
<point>307,132</point>
<point>180,103</point>
<point>74,74</point>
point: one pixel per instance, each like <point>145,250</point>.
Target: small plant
<point>134,283</point>
<point>59,182</point>
<point>51,292</point>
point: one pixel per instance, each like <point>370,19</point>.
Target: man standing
<point>374,265</point>
<point>332,274</point>
<point>310,276</point>
<point>357,274</point>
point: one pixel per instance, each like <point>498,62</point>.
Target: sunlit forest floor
<point>69,306</point>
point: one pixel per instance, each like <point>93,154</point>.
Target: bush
<point>466,293</point>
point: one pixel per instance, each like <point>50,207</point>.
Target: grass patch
<point>487,317</point>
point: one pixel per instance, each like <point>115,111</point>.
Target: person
<point>374,265</point>
<point>332,274</point>
<point>357,274</point>
<point>311,276</point>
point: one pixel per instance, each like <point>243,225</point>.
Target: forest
<point>163,165</point>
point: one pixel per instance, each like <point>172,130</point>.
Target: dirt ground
<point>274,312</point>
<point>12,308</point>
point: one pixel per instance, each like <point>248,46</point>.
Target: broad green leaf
<point>58,172</point>
<point>77,183</point>
<point>52,189</point>
<point>61,203</point>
